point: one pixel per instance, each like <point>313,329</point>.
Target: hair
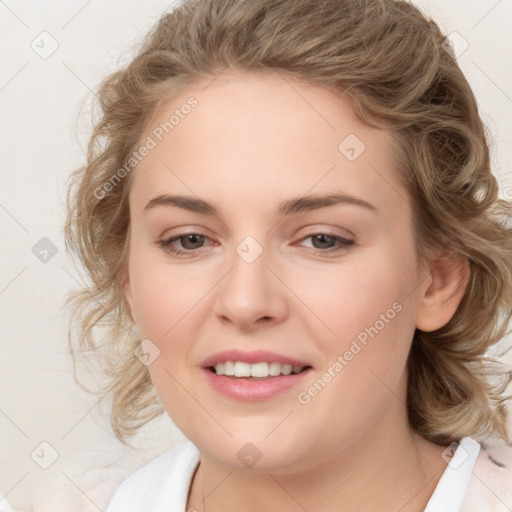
<point>399,72</point>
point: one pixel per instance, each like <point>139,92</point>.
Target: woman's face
<point>296,254</point>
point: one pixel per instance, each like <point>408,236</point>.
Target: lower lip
<point>253,390</point>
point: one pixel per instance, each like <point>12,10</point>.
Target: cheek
<point>364,291</point>
<point>371,309</point>
<point>373,322</point>
<point>162,294</point>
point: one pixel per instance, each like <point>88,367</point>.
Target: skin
<point>253,141</point>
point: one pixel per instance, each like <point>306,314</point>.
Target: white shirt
<point>163,484</point>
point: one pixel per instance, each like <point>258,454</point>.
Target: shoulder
<point>161,484</point>
<point>490,487</point>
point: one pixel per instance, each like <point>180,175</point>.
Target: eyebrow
<point>295,205</point>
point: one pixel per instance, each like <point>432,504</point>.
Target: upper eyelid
<point>306,231</point>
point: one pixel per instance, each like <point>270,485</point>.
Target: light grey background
<point>41,142</point>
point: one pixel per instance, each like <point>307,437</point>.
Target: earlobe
<point>449,276</point>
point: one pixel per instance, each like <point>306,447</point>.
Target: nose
<point>250,295</point>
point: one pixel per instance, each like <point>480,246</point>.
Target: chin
<point>258,453</point>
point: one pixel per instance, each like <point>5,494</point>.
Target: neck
<point>388,470</point>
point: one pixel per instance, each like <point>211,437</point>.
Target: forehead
<point>252,136</point>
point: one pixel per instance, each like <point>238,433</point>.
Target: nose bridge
<point>250,291</point>
<point>248,280</point>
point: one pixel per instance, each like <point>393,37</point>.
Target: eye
<point>189,243</point>
<point>328,242</point>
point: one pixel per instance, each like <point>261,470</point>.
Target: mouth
<point>255,371</point>
<point>254,376</point>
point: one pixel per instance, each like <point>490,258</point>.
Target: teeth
<point>275,369</point>
<point>242,369</point>
<point>229,368</point>
<point>261,370</point>
<point>286,369</point>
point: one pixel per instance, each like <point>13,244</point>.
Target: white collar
<point>452,487</point>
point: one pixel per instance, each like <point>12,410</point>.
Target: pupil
<point>323,237</point>
<point>194,239</point>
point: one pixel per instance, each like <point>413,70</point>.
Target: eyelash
<point>344,244</point>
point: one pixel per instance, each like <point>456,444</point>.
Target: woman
<point>294,236</point>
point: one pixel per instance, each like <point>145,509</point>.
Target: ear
<point>441,295</point>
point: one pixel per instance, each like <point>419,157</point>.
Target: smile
<point>240,369</point>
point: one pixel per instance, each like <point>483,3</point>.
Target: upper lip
<point>255,356</point>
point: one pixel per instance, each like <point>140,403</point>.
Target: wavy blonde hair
<point>396,69</point>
